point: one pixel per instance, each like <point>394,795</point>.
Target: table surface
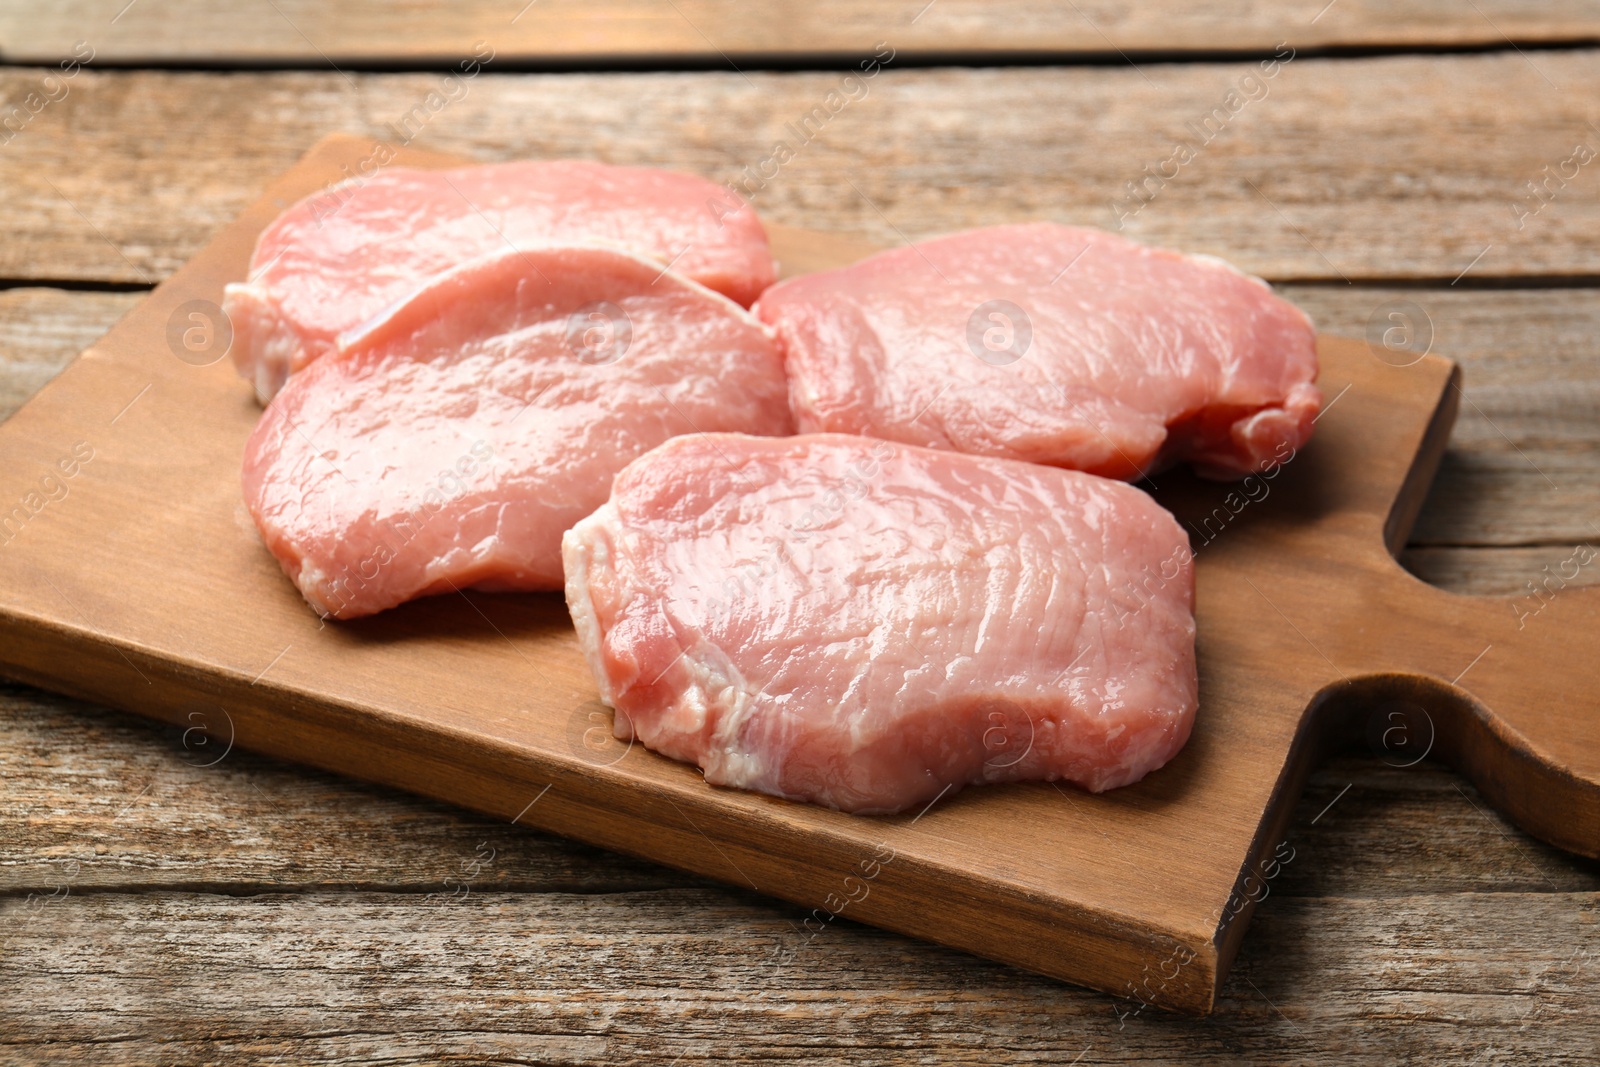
<point>161,902</point>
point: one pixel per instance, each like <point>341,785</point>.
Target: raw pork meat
<point>334,259</point>
<point>451,441</point>
<point>1046,343</point>
<point>866,625</point>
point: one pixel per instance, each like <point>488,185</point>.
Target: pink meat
<point>867,625</point>
<point>1051,344</point>
<point>341,256</point>
<point>450,442</point>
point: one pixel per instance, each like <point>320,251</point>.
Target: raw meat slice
<point>451,441</point>
<point>866,625</point>
<point>1051,344</point>
<point>336,258</point>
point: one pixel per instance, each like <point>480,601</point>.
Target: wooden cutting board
<point>131,574</point>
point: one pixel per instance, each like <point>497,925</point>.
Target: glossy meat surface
<point>452,441</point>
<point>1051,344</point>
<point>866,625</point>
<point>336,258</point>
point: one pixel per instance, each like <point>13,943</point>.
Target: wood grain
<point>657,971</point>
<point>1530,365</point>
<point>98,800</point>
<point>1333,175</point>
<point>41,330</point>
<point>1523,466</point>
<point>367,699</point>
<point>723,31</point>
<point>1411,913</point>
<point>671,976</point>
<point>1394,833</point>
<point>1490,571</point>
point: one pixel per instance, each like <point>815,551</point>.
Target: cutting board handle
<point>1501,688</point>
<point>1525,758</point>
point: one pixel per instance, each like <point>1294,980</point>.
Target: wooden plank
<point>1511,498</point>
<point>41,330</point>
<point>1531,368</point>
<point>724,31</point>
<point>1508,572</point>
<point>95,799</point>
<point>1392,919</point>
<point>98,800</point>
<point>1523,466</point>
<point>1330,175</point>
<point>683,976</point>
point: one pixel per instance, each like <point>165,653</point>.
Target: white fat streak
<point>1217,261</point>
<point>713,684</point>
<point>311,581</point>
<point>270,361</point>
<point>717,685</point>
<point>586,545</point>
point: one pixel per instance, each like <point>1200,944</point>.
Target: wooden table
<point>161,902</point>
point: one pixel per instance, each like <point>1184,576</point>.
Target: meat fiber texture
<point>868,625</point>
<point>450,442</point>
<point>1052,344</point>
<point>335,259</point>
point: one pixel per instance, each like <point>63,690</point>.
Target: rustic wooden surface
<point>251,912</point>
<point>152,576</point>
<point>725,32</point>
<point>1359,169</point>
